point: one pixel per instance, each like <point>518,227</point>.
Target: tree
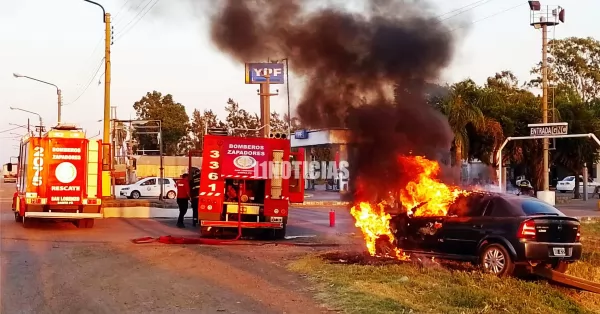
<point>199,123</point>
<point>175,121</point>
<point>240,120</point>
<point>573,153</point>
<point>574,62</point>
<point>277,124</point>
<point>461,108</point>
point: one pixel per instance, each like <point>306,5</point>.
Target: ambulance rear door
<point>67,174</point>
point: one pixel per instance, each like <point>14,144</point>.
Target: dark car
<point>497,231</point>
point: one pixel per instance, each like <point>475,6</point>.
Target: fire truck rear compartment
<point>253,207</point>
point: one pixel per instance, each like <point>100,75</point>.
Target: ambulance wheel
<point>84,223</point>
<point>171,195</point>
<point>18,218</point>
<point>27,222</point>
<point>135,195</point>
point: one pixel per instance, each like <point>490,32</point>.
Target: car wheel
<point>18,218</point>
<point>135,195</point>
<point>495,259</point>
<point>171,195</point>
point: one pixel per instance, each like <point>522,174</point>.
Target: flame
<point>424,195</point>
<point>374,223</point>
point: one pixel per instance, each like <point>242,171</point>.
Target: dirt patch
<point>364,258</point>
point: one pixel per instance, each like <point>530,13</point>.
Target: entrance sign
<point>546,129</point>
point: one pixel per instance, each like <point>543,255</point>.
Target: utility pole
<point>545,102</point>
<point>541,19</point>
<point>106,158</point>
<point>107,165</point>
<point>265,106</point>
<point>59,93</point>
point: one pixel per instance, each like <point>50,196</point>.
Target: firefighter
<point>183,197</point>
<point>194,193</point>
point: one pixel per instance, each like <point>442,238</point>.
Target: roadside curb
<point>142,212</point>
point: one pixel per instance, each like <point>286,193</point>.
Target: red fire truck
<point>59,177</point>
<point>254,174</point>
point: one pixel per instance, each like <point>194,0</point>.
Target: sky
<point>168,49</point>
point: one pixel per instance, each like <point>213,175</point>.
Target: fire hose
<point>189,240</point>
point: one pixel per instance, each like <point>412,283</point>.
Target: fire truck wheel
<point>171,195</point>
<point>18,217</point>
<point>135,195</point>
<point>205,233</point>
<point>279,234</point>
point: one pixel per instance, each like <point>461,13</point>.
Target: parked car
<point>150,187</point>
<point>568,184</point>
<point>495,230</point>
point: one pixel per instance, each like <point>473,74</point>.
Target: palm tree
<point>461,108</point>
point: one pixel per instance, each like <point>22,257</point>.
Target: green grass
<point>407,288</point>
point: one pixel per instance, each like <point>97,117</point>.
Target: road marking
<point>300,236</point>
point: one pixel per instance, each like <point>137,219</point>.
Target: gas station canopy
<point>304,138</point>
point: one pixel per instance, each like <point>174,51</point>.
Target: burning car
<point>498,231</point>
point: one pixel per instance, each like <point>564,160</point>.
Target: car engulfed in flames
<point>424,196</point>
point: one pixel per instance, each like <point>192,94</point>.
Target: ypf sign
<point>255,73</point>
<point>548,129</point>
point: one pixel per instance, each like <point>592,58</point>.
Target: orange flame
<point>425,194</point>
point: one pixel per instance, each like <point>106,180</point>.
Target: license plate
<point>559,251</point>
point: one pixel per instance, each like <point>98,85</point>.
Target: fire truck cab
<point>58,177</point>
<point>253,173</point>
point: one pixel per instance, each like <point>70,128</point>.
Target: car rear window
<point>532,207</point>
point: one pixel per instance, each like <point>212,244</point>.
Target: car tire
<point>495,259</point>
<point>171,195</point>
<point>135,195</point>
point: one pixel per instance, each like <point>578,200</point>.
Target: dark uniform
<point>194,192</point>
<point>183,197</point>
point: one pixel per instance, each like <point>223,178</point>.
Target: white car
<point>150,187</point>
<point>568,185</point>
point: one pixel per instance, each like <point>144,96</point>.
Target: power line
<point>132,9</point>
<point>84,75</point>
<point>125,29</point>
<point>465,8</point>
<point>121,9</point>
<point>8,130</point>
<point>487,17</point>
<point>90,76</point>
<point>88,84</point>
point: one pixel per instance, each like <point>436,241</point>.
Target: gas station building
<point>336,139</point>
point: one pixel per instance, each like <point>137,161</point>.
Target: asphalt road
<point>57,268</point>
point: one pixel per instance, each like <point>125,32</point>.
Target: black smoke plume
<point>364,71</point>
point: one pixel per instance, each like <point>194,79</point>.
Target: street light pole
<point>58,93</point>
<point>31,112</point>
<point>107,162</point>
<point>541,19</point>
<point>287,83</point>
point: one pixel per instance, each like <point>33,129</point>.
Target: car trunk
<point>556,229</point>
